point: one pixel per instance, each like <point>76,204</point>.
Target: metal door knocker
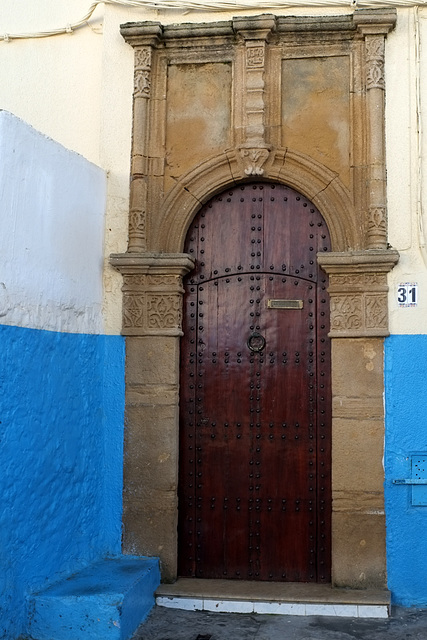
<point>256,342</point>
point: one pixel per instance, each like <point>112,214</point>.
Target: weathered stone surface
<point>150,527</point>
<point>363,408</point>
<point>152,360</point>
<point>198,115</point>
<point>358,550</point>
<point>152,438</point>
<point>357,367</point>
<point>316,108</point>
<point>357,452</point>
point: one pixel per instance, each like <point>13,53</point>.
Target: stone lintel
<point>203,30</point>
<point>315,23</point>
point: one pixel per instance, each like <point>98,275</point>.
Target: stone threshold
<point>280,598</point>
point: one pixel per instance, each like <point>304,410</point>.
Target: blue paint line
<point>61,431</point>
<point>406,434</point>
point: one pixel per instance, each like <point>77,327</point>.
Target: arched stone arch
<point>313,180</point>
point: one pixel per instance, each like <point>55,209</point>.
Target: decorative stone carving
<point>374,28</point>
<point>164,311</point>
<point>376,311</point>
<point>375,62</point>
<point>255,36</point>
<point>346,313</point>
<point>142,72</point>
<point>152,291</point>
<point>358,290</point>
<point>142,58</point>
<point>133,311</point>
<point>143,43</point>
<point>255,56</point>
<point>377,227</point>
<point>137,226</point>
<point>254,159</point>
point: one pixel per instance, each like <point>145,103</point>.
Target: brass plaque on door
<point>285,304</point>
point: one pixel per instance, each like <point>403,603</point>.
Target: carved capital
<point>255,28</point>
<point>374,25</point>
<point>140,34</point>
<point>152,292</point>
<point>358,290</point>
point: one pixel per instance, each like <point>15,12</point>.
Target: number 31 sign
<point>407,294</point>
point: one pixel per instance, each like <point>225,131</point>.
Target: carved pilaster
<point>374,26</point>
<point>143,43</point>
<point>358,290</point>
<point>255,34</point>
<point>374,47</point>
<point>152,292</point>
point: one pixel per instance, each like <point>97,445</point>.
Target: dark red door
<point>255,432</point>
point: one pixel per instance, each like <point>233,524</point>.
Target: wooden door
<point>255,405</point>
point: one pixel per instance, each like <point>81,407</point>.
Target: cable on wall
<point>419,132</point>
<point>213,6</point>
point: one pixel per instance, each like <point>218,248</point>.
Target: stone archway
<point>247,64</point>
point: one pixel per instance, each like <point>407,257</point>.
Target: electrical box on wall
<point>419,472</point>
<point>418,480</point>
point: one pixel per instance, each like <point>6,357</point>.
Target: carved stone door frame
<point>163,204</point>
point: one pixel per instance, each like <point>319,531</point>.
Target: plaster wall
<point>51,243</point>
<point>61,380</point>
<point>406,411</point>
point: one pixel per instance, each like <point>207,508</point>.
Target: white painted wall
<point>52,227</point>
<point>77,88</point>
<point>406,83</point>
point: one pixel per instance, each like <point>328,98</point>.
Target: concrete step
<point>285,598</point>
<point>106,601</point>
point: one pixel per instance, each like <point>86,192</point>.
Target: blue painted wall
<point>406,434</point>
<point>61,412</point>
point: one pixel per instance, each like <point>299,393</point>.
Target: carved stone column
<point>152,308</point>
<point>374,27</point>
<point>255,33</point>
<point>143,42</point>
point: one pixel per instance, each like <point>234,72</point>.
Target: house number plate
<point>285,304</point>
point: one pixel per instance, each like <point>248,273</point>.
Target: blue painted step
<point>106,601</point>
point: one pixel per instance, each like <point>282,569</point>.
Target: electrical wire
<point>214,6</point>
<point>419,132</point>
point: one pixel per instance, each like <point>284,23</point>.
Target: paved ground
<point>172,624</point>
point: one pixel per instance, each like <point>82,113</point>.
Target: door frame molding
<point>154,265</point>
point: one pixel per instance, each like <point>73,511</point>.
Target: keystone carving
<point>253,160</point>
